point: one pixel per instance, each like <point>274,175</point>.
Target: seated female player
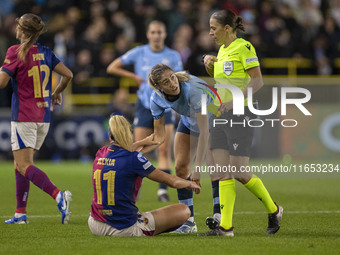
<point>117,171</point>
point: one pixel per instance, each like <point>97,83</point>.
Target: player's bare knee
<point>186,211</point>
<point>243,180</point>
<point>22,168</point>
<point>215,176</point>
<point>181,171</point>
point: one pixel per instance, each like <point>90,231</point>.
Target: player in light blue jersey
<point>143,58</point>
<point>183,93</point>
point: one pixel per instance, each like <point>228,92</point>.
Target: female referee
<point>143,58</point>
<point>236,64</point>
<point>183,93</point>
<point>28,66</point>
<point>116,172</point>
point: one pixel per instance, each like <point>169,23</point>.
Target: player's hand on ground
<point>226,107</point>
<point>209,61</point>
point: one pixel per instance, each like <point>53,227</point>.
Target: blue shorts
<point>183,129</point>
<point>143,116</point>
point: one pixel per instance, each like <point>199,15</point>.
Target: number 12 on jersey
<point>38,87</point>
<point>110,178</point>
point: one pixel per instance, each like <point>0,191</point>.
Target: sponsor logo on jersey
<point>228,67</point>
<point>249,60</point>
<point>146,165</point>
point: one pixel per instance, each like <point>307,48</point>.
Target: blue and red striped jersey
<point>116,178</point>
<point>32,83</point>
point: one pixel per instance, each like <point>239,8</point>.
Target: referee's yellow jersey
<point>232,65</point>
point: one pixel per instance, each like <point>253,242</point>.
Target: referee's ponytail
<point>227,17</point>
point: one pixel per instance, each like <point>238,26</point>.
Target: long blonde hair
<point>32,27</point>
<point>155,76</point>
<point>120,132</point>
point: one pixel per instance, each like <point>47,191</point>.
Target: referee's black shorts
<point>236,135</point>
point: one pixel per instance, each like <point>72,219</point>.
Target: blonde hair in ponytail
<point>32,27</point>
<point>120,133</point>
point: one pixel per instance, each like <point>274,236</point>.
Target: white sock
<point>18,215</point>
<point>191,219</point>
<point>58,197</point>
<point>217,216</point>
<point>161,192</point>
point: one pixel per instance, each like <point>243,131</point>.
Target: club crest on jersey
<point>228,67</point>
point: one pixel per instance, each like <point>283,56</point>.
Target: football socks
<point>41,180</point>
<point>22,186</point>
<point>227,200</point>
<point>216,199</point>
<point>255,185</point>
<point>185,197</point>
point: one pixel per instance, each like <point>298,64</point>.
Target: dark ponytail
<point>227,17</point>
<point>239,24</point>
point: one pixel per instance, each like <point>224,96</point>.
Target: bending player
<point>182,93</point>
<point>143,58</point>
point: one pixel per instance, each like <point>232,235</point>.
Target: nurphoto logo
<point>238,106</point>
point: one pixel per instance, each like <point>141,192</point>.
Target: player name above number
<point>38,56</point>
<point>106,161</point>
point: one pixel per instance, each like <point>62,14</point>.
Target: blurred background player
<point>182,93</point>
<point>116,171</point>
<point>143,58</point>
<point>236,64</point>
<point>28,67</point>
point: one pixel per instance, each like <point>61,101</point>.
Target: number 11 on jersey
<point>110,178</point>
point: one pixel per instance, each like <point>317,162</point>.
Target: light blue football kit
<point>143,59</point>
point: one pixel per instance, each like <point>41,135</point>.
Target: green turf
<point>305,229</point>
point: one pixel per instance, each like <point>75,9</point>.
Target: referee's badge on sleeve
<point>228,67</point>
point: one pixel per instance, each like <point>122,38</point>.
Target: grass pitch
<point>310,222</point>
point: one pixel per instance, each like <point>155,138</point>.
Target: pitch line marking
<point>286,212</point>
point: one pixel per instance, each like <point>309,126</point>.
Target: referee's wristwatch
<point>202,59</point>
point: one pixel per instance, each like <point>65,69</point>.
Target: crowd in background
<point>88,35</point>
